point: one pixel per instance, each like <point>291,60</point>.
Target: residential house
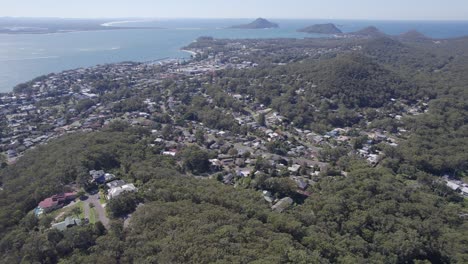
<point>452,185</point>
<point>228,179</point>
<point>56,201</point>
<point>97,175</point>
<point>301,184</point>
<point>69,222</point>
<point>172,153</point>
<point>282,204</point>
<point>115,184</point>
<point>11,153</point>
<point>294,168</point>
<point>101,177</point>
<point>464,191</point>
<point>268,196</point>
<point>114,192</point>
<point>244,172</point>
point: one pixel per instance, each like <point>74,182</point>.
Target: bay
<point>24,57</point>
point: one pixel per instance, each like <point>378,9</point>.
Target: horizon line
<point>237,18</point>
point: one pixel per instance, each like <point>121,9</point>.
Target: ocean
<point>24,57</point>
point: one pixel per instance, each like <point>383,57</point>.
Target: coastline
<point>112,23</point>
<point>193,53</point>
<point>15,72</point>
<point>159,60</point>
<point>103,28</point>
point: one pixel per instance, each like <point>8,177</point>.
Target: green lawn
<point>81,205</point>
<point>92,215</point>
<point>55,213</point>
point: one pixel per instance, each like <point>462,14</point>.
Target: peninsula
<point>10,25</point>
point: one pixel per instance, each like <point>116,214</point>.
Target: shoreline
<point>112,23</point>
<point>189,51</point>
<point>98,28</point>
<point>158,60</point>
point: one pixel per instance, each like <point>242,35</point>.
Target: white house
<point>114,192</point>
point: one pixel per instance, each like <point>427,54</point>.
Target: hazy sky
<point>329,9</point>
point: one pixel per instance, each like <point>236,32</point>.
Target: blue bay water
<point>23,57</point>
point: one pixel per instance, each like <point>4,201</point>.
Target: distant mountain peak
<point>327,28</point>
<point>262,20</point>
<point>259,23</point>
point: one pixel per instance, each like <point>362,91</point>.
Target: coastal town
<point>154,96</point>
<point>241,132</point>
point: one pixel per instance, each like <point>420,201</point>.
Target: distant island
<point>328,28</point>
<point>369,32</point>
<point>259,23</point>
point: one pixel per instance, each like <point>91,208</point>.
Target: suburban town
<point>85,100</point>
<point>243,132</point>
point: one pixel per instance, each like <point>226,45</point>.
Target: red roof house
<point>56,201</point>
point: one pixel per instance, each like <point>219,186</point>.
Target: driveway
<point>101,211</point>
<point>86,209</point>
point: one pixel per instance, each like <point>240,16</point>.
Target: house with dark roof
<point>97,176</point>
<point>100,177</point>
<point>69,222</point>
<point>11,153</point>
<point>228,179</point>
<point>301,184</point>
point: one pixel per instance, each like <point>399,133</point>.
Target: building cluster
<point>251,52</point>
<point>56,202</point>
<point>114,186</point>
<point>35,113</point>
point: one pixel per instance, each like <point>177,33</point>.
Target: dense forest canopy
<point>368,215</point>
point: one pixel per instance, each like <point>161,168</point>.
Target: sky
<point>301,9</point>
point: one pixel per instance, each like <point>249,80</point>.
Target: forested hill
<point>372,214</point>
<point>353,80</point>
